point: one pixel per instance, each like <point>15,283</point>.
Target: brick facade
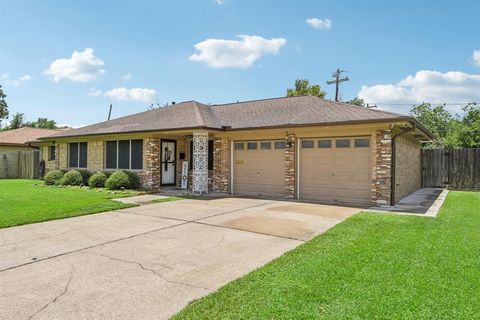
<point>408,167</point>
<point>221,165</point>
<point>382,167</point>
<point>290,166</point>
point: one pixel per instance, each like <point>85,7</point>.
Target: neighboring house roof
<point>25,135</point>
<point>268,113</point>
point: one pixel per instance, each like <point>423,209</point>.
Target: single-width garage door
<point>336,169</point>
<point>259,168</point>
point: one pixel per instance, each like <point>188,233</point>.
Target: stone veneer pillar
<point>290,166</point>
<point>221,165</point>
<point>151,171</point>
<point>57,155</point>
<point>382,167</point>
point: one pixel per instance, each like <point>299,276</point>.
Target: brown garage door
<point>336,169</point>
<point>259,168</point>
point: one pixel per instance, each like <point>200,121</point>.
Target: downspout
<point>394,147</point>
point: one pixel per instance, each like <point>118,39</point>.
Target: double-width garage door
<point>259,168</point>
<point>336,169</point>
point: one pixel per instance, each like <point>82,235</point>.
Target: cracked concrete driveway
<point>147,262</point>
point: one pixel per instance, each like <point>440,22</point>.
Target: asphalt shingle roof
<point>22,136</point>
<point>287,111</point>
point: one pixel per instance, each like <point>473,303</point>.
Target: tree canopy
<point>452,131</point>
<point>3,106</point>
<point>303,87</point>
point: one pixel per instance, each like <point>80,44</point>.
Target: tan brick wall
<point>408,167</point>
<point>221,165</point>
<point>62,155</point>
<point>49,164</point>
<point>96,156</point>
<point>382,164</point>
<point>290,166</point>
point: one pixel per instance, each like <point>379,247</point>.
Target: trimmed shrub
<point>97,180</point>
<point>72,178</point>
<point>118,180</point>
<point>53,177</point>
<point>85,176</point>
<point>133,178</point>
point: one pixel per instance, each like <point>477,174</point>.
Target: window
<point>239,146</point>
<point>279,144</point>
<point>124,154</point>
<point>308,144</point>
<point>324,143</point>
<point>265,145</point>
<point>342,143</point>
<point>362,143</point>
<point>210,155</point>
<point>251,145</point>
<point>78,155</point>
<point>51,153</point>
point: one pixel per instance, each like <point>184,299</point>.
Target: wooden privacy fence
<point>19,164</point>
<point>454,169</point>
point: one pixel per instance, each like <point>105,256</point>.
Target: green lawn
<point>372,266</point>
<point>29,201</point>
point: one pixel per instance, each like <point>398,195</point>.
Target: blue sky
<point>396,53</point>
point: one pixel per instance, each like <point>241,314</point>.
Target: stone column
<point>221,165</point>
<point>151,164</point>
<point>57,155</point>
<point>382,167</point>
<point>290,166</point>
<point>200,163</point>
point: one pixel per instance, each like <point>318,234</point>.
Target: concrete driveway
<point>147,262</point>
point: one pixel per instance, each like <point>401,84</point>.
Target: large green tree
<point>43,123</point>
<point>357,101</point>
<point>3,106</point>
<point>303,88</point>
<point>452,131</point>
<point>17,121</point>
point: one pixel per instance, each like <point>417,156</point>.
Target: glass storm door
<point>168,154</point>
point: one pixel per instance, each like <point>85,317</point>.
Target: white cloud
<point>426,86</point>
<point>220,53</point>
<point>82,66</point>
<point>127,76</point>
<point>17,82</point>
<point>323,24</point>
<point>94,93</point>
<point>220,2</point>
<point>134,94</point>
<point>476,58</point>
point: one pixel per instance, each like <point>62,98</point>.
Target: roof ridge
<point>256,100</point>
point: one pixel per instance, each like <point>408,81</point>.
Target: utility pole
<point>110,112</point>
<point>337,81</point>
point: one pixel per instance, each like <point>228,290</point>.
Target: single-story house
<point>23,139</point>
<point>296,148</point>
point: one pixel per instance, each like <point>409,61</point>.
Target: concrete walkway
<point>425,201</point>
<point>147,262</point>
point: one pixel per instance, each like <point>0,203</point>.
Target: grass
<point>29,201</point>
<point>372,266</point>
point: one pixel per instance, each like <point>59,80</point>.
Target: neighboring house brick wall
<point>221,165</point>
<point>6,148</point>
<point>408,167</point>
<point>382,164</point>
<point>290,166</point>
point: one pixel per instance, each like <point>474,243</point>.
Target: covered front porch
<point>183,161</point>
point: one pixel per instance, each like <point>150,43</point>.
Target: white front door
<point>168,163</point>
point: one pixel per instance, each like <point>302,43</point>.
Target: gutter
<point>394,147</point>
